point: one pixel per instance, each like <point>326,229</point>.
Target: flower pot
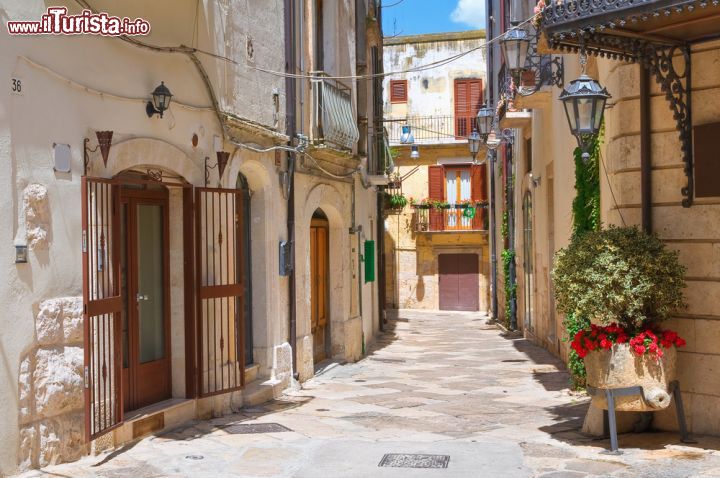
<point>620,367</point>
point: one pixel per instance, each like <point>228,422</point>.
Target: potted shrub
<point>396,201</point>
<point>626,283</point>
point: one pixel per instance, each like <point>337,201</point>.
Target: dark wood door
<point>144,267</point>
<point>319,288</point>
<point>459,282</point>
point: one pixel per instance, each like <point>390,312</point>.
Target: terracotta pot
<point>619,367</point>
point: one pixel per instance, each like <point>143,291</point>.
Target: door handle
<point>140,297</point>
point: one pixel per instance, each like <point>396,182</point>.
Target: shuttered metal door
<point>219,265</point>
<point>459,282</point>
<point>102,306</point>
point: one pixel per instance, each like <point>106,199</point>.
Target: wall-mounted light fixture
<point>584,100</point>
<point>474,144</point>
<point>21,256</point>
<point>222,160</point>
<point>414,152</point>
<point>534,180</point>
<point>406,137</point>
<point>161,97</point>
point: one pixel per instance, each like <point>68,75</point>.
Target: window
<point>468,100</point>
<point>456,185</point>
<point>707,166</point>
<point>398,91</point>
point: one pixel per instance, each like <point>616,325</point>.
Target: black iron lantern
<point>474,143</point>
<point>515,45</point>
<point>485,119</point>
<point>584,100</point>
<point>161,97</point>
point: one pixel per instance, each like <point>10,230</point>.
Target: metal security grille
<point>219,268</point>
<point>406,460</point>
<point>102,306</point>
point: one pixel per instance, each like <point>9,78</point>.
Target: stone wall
<point>694,232</point>
<point>51,386</point>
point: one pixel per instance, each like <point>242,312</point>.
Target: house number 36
<point>16,85</point>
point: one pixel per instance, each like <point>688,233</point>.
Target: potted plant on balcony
<point>395,202</point>
<point>394,181</point>
<point>422,204</point>
<point>626,283</point>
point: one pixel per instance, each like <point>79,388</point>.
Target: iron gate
<point>102,306</point>
<point>219,256</point>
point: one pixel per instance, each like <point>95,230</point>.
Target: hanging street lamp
<point>485,118</point>
<point>474,141</point>
<point>515,45</point>
<point>414,152</point>
<point>406,137</point>
<point>584,100</point>
<point>161,97</point>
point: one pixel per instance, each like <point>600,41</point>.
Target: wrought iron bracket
<point>549,69</point>
<point>669,63</point>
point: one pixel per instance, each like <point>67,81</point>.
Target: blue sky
<point>412,17</point>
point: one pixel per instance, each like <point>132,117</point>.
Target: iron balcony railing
<point>380,160</point>
<point>432,129</point>
<point>332,117</point>
<point>450,219</point>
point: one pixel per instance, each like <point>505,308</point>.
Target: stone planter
<point>619,367</point>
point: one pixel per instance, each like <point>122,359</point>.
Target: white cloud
<point>470,12</point>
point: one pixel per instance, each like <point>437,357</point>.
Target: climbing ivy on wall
<point>586,217</point>
<point>508,257</point>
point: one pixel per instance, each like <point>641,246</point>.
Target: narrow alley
<point>446,384</point>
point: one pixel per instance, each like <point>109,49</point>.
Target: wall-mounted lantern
<point>515,45</point>
<point>161,97</point>
<point>584,100</point>
<point>474,143</point>
<point>485,118</point>
<point>415,153</point>
<point>406,137</point>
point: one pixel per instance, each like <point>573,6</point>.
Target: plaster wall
<point>431,91</point>
<point>74,86</point>
<point>693,232</point>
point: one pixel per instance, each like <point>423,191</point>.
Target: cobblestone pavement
<point>444,384</point>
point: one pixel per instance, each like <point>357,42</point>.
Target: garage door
<point>459,282</point>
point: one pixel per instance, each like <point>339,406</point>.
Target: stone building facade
<point>102,238</point>
<point>424,247</point>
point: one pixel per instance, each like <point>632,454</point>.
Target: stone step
<point>257,392</point>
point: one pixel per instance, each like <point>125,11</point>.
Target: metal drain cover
<point>247,428</point>
<point>405,460</point>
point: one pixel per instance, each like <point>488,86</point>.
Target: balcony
<point>432,129</point>
<point>449,219</point>
<point>332,117</point>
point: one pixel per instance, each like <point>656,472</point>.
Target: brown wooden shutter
<point>478,192</point>
<point>436,191</point>
<point>398,91</point>
<point>436,183</point>
<point>468,100</point>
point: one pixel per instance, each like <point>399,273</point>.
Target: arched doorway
<point>319,285</point>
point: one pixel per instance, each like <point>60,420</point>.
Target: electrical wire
<point>607,178</point>
<point>428,66</point>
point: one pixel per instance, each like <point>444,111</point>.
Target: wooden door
<point>459,282</point>
<point>102,305</point>
<point>144,267</point>
<point>319,252</point>
<point>468,100</point>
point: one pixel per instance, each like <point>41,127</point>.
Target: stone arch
<point>329,199</point>
<point>152,153</point>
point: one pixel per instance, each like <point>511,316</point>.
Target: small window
<point>398,91</point>
<point>707,166</point>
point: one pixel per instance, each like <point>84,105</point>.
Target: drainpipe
<point>291,126</point>
<point>511,232</point>
<point>492,157</point>
<point>645,152</point>
<point>380,273</point>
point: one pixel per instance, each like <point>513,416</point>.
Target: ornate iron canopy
<point>655,33</point>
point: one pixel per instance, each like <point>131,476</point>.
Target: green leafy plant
<point>619,274</point>
<point>397,201</point>
<point>508,257</point>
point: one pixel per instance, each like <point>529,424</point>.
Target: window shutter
<point>477,183</point>
<point>436,183</point>
<point>398,91</point>
<point>478,192</point>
